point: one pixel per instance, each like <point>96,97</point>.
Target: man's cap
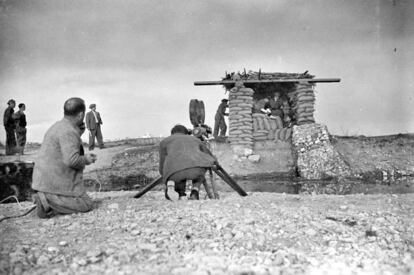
<point>11,101</point>
<point>224,100</point>
<point>92,105</point>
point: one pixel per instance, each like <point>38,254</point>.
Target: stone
<point>63,243</point>
<point>113,206</point>
<point>311,232</point>
<point>18,270</point>
<point>135,232</point>
<point>52,249</point>
<point>42,260</point>
<point>343,207</point>
<point>247,152</point>
<point>254,158</point>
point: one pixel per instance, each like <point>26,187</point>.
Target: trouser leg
<point>216,127</point>
<point>21,139</point>
<point>223,127</point>
<point>195,174</point>
<point>10,141</point>
<point>99,136</point>
<point>52,204</point>
<point>179,187</point>
<point>92,135</point>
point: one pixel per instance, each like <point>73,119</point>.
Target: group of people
<point>15,125</point>
<point>276,106</point>
<point>57,175</point>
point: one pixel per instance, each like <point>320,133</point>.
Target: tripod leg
<point>213,185</point>
<point>226,177</point>
<point>148,187</point>
<point>208,189</point>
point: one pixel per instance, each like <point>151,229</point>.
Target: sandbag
<point>235,117</point>
<point>260,138</point>
<point>282,134</point>
<point>271,135</point>
<point>260,123</point>
<point>266,123</point>
<point>245,127</point>
<point>244,111</point>
<point>255,125</point>
<point>245,105</point>
<point>279,123</point>
<point>288,133</point>
<point>258,115</point>
<point>277,134</point>
<point>273,124</point>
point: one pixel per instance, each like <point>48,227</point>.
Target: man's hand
<point>91,158</point>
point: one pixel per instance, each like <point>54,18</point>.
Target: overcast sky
<point>137,60</point>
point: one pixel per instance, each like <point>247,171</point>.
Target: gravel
<point>264,233</point>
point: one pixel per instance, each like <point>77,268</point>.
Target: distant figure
<point>9,125</point>
<point>93,123</point>
<point>219,122</point>
<point>275,105</point>
<point>259,106</point>
<point>21,123</point>
<point>287,120</point>
<point>57,175</point>
<point>184,157</point>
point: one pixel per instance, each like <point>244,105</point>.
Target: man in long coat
<point>58,173</point>
<point>93,123</point>
<point>184,157</point>
<point>10,127</point>
<point>219,122</point>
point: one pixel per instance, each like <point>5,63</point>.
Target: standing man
<point>93,123</point>
<point>184,157</point>
<point>57,175</point>
<point>219,122</point>
<point>20,120</point>
<point>9,125</point>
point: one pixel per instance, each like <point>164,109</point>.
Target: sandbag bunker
<point>279,107</point>
<point>247,91</point>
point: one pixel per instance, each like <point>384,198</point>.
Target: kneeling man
<point>58,170</point>
<point>184,157</point>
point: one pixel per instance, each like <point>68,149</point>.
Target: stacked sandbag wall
<point>303,103</point>
<point>240,117</point>
<point>266,128</point>
<point>316,156</point>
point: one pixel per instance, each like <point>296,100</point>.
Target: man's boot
<point>194,195</point>
<point>42,211</point>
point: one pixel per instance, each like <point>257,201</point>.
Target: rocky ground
<point>263,233</point>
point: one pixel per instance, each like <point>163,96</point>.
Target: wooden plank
<point>252,81</point>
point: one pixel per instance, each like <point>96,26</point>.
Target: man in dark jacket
<point>275,105</point>
<point>10,127</point>
<point>219,122</point>
<point>93,123</point>
<point>184,157</point>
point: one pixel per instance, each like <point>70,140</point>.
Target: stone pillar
<point>240,120</point>
<point>316,156</point>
